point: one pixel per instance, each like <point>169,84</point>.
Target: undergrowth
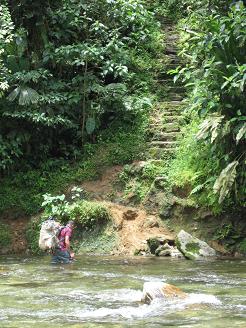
<point>5,235</point>
<point>22,192</point>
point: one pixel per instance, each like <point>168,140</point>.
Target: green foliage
<point>88,215</point>
<point>23,192</point>
<point>242,247</point>
<point>55,205</point>
<point>6,36</point>
<point>137,179</point>
<point>5,235</point>
<point>186,170</point>
<point>71,69</point>
<point>213,47</point>
<point>176,9</point>
<point>225,231</point>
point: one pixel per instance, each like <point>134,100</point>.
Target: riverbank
<point>159,216</point>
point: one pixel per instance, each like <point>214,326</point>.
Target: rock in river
<point>192,247</point>
<point>158,289</point>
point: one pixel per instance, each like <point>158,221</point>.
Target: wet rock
<point>155,243</point>
<point>160,182</point>
<point>153,290</point>
<point>136,168</point>
<point>192,247</point>
<point>167,250</point>
<point>166,207</point>
<point>153,199</point>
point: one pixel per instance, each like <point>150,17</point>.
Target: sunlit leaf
<point>90,125</point>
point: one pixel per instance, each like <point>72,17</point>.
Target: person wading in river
<point>63,253</point>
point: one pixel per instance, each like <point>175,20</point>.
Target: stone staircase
<point>166,117</point>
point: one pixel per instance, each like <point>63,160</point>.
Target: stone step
<point>165,136</point>
<point>163,144</point>
<point>171,66</point>
<point>178,89</point>
<point>168,111</point>
<point>171,118</point>
<point>170,127</point>
<point>175,96</point>
<point>174,104</point>
<point>165,113</point>
<point>173,59</point>
<point>167,127</point>
<point>172,36</point>
<point>171,50</point>
<point>166,21</point>
<point>161,153</point>
<point>166,118</point>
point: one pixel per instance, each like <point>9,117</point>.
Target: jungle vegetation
<point>77,77</point>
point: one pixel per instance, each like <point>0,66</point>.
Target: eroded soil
<point>132,225</point>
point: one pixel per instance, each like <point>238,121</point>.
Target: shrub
<point>213,47</point>
<point>192,167</point>
<point>88,215</point>
<point>5,235</point>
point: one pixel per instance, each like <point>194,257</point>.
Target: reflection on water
<point>105,292</point>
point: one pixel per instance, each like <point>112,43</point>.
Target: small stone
<point>151,222</point>
<point>130,215</point>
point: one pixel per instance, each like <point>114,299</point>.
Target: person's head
<point>70,224</point>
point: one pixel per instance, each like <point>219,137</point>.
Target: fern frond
<point>210,126</point>
<point>225,180</point>
<point>197,189</point>
<point>241,133</point>
<point>28,96</point>
<point>14,94</point>
<point>90,125</point>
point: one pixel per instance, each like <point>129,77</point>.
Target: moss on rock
<point>193,247</point>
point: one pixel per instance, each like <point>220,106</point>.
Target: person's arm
<point>67,243</point>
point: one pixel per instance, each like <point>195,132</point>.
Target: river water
<point>103,291</point>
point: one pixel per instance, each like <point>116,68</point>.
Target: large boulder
<point>158,289</point>
<point>192,247</point>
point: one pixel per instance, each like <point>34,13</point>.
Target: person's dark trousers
<point>61,257</point>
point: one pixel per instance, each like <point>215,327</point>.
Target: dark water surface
<point>100,291</point>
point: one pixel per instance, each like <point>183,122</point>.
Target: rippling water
<point>105,292</point>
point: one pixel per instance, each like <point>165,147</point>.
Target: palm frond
<point>241,133</point>
<point>225,180</point>
<point>14,94</point>
<point>26,95</point>
<point>210,126</point>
